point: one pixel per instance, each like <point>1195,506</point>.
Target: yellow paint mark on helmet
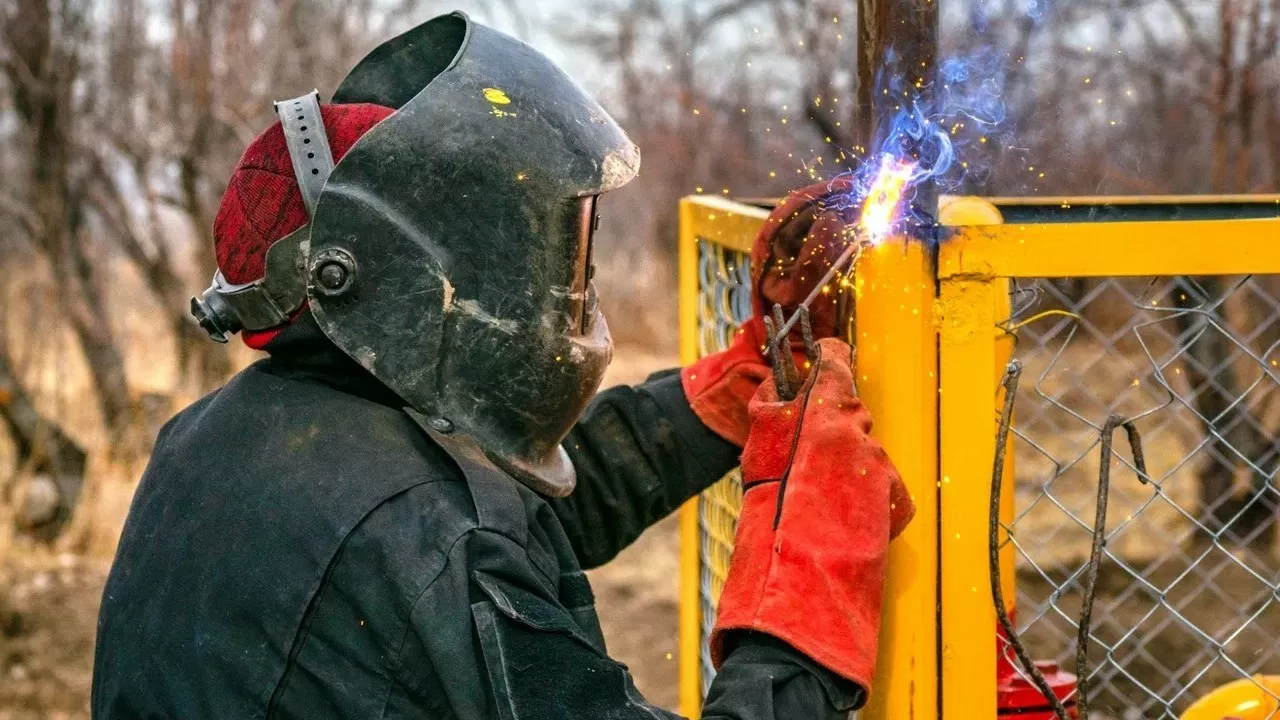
<point>496,96</point>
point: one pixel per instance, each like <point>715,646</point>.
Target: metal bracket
<point>308,145</point>
<point>264,303</point>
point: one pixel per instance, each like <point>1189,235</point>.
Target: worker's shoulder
<point>489,517</point>
<point>441,511</point>
<point>443,528</point>
<point>309,423</point>
<point>305,451</point>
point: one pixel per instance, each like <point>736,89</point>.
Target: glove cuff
<point>783,585</point>
<point>719,386</point>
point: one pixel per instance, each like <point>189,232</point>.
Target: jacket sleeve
<point>516,651</point>
<point>763,677</point>
<point>639,452</point>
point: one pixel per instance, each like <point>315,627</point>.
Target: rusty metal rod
<point>849,256</point>
<point>1012,374</point>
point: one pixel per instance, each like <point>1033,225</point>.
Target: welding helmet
<point>449,251</point>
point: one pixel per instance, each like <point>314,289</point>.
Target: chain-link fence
<point>724,303</point>
<point>1187,592</point>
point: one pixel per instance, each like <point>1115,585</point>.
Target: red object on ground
<point>1018,697</point>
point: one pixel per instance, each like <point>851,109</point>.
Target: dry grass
<point>48,616</point>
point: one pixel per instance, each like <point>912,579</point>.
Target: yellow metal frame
<point>974,266</point>
<point>1122,200</point>
<point>917,315</point>
<point>1110,249</point>
<point>733,225</point>
<point>896,378</point>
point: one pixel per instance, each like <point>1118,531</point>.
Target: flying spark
<point>880,209</point>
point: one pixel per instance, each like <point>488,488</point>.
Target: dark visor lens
<point>583,230</point>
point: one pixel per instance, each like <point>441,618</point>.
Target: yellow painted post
<point>1004,353</point>
<point>690,616</point>
<point>966,395</point>
<point>896,376</point>
<point>969,211</point>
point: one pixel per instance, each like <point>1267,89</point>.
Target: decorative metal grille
<point>1188,596</point>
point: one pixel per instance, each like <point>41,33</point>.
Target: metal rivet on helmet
<point>333,272</point>
<point>332,276</point>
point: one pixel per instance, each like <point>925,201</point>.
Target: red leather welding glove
<point>719,386</point>
<point>793,249</point>
<point>821,502</point>
<point>800,240</point>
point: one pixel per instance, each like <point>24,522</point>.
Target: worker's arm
<point>766,676</point>
<point>821,502</point>
<point>518,649</point>
<point>639,452</point>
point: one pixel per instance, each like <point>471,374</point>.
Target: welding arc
<point>850,257</point>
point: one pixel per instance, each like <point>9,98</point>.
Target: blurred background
<point>120,121</point>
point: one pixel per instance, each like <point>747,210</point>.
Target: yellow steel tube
<point>690,616</point>
<point>1245,699</point>
<point>1122,200</point>
<point>1112,249</point>
<point>688,280</point>
<point>957,211</point>
<point>690,632</point>
<point>967,391</point>
<point>896,376</point>
<point>722,221</point>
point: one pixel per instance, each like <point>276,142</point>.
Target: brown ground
<point>48,612</point>
<point>49,605</point>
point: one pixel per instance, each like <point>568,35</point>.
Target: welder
<point>390,515</point>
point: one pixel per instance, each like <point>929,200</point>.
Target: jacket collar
<point>303,352</point>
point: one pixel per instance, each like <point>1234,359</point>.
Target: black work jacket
<point>300,547</point>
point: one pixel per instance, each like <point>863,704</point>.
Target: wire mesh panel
<point>724,303</point>
<point>1188,589</point>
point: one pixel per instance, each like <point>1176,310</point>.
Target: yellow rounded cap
<point>1252,699</point>
<point>956,210</point>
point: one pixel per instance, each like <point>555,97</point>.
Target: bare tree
<point>120,138</point>
<point>43,449</point>
<point>44,61</point>
<point>699,115</point>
